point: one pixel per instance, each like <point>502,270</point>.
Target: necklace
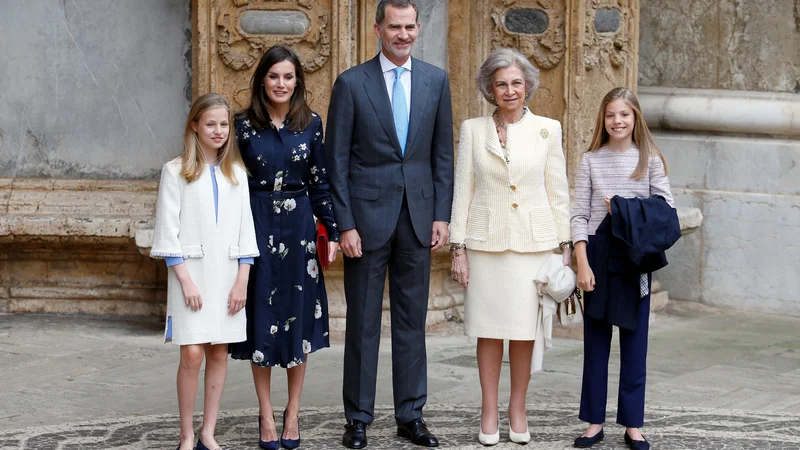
<point>503,126</point>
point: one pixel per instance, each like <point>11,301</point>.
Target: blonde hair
<point>641,134</point>
<point>193,158</point>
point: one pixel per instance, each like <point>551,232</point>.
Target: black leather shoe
<point>636,445</point>
<point>588,441</point>
<point>417,432</point>
<point>355,435</point>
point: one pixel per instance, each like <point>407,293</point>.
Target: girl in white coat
<point>204,231</point>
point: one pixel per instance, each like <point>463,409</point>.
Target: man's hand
<point>441,233</point>
<point>350,243</point>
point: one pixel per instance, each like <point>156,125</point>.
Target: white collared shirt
<point>388,75</point>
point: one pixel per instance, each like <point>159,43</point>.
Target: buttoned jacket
<point>520,204</point>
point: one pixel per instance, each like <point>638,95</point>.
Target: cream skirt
<point>501,300</point>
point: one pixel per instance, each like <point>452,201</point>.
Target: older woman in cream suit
<point>510,211</point>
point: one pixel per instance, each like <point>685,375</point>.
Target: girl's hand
<point>333,247</point>
<point>238,297</point>
<point>460,268</point>
<point>608,203</point>
<point>585,277</point>
<point>191,295</point>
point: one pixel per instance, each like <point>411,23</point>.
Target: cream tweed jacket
<point>521,205</point>
<point>186,226</point>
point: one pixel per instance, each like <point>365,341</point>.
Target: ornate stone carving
<point>240,50</point>
<point>546,48</point>
<point>613,46</point>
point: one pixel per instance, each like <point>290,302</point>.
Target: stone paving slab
<point>717,379</point>
<point>552,427</point>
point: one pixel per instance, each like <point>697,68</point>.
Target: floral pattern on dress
<point>287,306</point>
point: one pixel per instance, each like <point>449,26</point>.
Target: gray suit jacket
<point>367,173</point>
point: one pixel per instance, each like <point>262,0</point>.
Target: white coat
<point>186,226</point>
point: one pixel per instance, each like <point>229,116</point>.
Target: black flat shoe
<point>636,445</point>
<point>267,445</point>
<point>355,435</point>
<point>417,432</point>
<point>588,441</point>
<point>200,446</point>
<point>290,443</point>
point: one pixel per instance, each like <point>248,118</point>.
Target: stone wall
<point>90,90</point>
<point>719,82</point>
<point>721,44</point>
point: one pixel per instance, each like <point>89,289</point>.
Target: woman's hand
<point>333,247</point>
<point>585,277</point>
<point>566,254</point>
<point>238,297</point>
<point>460,268</point>
<point>607,199</point>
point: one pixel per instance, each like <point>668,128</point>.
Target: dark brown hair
<point>299,116</point>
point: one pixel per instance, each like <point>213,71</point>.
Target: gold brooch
<point>544,133</point>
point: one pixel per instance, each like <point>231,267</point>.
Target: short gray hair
<point>380,12</point>
<point>499,59</point>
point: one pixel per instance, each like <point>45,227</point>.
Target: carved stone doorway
<point>583,48</point>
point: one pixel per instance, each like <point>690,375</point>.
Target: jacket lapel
<point>492,140</point>
<point>376,92</point>
<point>420,84</point>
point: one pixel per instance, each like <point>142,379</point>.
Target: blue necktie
<point>400,109</point>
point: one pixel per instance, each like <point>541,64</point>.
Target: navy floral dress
<point>287,307</point>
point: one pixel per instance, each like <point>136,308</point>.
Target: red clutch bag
<point>322,245</point>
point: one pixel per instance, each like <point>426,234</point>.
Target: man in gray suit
<point>390,166</point>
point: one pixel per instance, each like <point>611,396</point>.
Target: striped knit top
<point>604,173</point>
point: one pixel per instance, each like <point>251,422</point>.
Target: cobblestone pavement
<point>552,427</point>
<point>717,379</point>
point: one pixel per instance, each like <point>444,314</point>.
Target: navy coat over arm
<point>629,242</point>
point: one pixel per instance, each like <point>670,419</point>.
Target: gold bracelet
<point>457,245</point>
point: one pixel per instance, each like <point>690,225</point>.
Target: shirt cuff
<point>173,260</point>
<point>250,261</point>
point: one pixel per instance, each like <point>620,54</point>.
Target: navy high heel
<point>266,445</point>
<point>200,446</point>
<point>290,443</point>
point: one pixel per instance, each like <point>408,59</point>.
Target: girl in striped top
<point>623,160</point>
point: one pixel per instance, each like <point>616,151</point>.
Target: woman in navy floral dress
<point>282,146</point>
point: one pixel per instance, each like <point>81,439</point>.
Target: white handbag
<point>559,283</point>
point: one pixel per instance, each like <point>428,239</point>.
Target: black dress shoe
<point>588,441</point>
<point>355,435</point>
<point>636,445</point>
<point>417,432</point>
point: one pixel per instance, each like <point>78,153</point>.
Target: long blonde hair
<point>641,134</point>
<point>193,158</point>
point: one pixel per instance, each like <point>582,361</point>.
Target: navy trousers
<point>632,372</point>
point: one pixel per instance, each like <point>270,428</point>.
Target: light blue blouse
<point>175,260</point>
